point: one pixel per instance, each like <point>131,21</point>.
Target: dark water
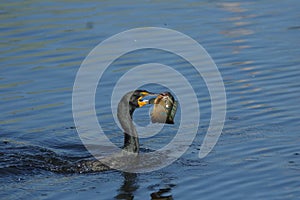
<point>256,47</point>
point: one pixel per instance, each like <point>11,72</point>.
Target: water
<point>255,46</point>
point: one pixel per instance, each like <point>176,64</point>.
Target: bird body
<point>129,155</point>
<point>126,107</point>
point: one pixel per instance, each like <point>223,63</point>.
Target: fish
<point>164,109</point>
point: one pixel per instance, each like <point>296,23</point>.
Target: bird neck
<point>125,112</point>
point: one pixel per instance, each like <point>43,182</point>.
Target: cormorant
<point>126,107</point>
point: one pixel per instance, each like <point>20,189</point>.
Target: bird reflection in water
<point>161,194</point>
<point>130,185</point>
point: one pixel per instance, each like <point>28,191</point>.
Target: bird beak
<point>142,102</point>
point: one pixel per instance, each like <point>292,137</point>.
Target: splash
<point>18,159</point>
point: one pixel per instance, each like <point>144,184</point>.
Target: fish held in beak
<point>164,108</point>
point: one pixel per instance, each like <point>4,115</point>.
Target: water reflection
<point>255,47</point>
<point>130,185</point>
<point>161,195</point>
<point>240,25</point>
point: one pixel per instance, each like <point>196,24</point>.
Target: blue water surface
<point>255,46</point>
